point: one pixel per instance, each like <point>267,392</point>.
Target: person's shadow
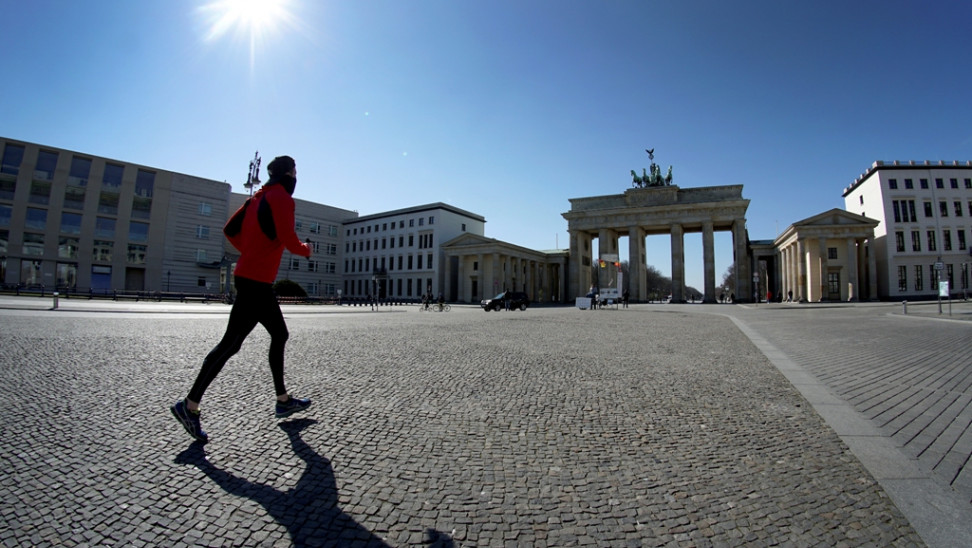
<point>308,510</point>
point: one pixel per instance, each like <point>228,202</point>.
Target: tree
<point>289,288</point>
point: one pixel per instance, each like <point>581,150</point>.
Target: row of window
<point>13,159</point>
<point>904,210</point>
<point>932,239</point>
<point>947,274</point>
<point>401,287</point>
<point>425,242</point>
<point>408,262</point>
<point>69,248</point>
<point>315,227</point>
<point>923,183</point>
<point>401,224</point>
<point>312,266</point>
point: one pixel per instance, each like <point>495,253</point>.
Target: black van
<point>518,301</point>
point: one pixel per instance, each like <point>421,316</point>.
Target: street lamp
<point>253,177</point>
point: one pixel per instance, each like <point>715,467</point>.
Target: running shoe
<point>189,421</point>
<point>291,406</point>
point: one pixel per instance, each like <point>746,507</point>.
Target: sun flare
<point>255,21</point>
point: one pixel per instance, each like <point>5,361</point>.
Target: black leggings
<point>255,303</point>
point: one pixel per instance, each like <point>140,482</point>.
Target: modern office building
<point>76,221</point>
<point>398,254</point>
<point>923,237</point>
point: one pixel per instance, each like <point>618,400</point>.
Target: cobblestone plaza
<point>649,426</point>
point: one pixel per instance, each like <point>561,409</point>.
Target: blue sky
<point>503,108</point>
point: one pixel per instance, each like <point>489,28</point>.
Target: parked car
<point>518,301</point>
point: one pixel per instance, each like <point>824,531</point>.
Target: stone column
<point>801,272</point>
<point>637,273</point>
<point>678,263</point>
<point>447,279</point>
<point>872,293</point>
<point>575,266</point>
<point>708,260</point>
<point>822,246</point>
<point>852,281</point>
<point>744,279</point>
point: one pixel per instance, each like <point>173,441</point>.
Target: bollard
<point>55,300</point>
<point>905,305</point>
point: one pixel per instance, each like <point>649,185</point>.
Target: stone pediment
<point>469,240</point>
<point>836,217</point>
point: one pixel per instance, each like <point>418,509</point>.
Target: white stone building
<point>923,237</point>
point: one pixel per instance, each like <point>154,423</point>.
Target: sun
<point>255,21</point>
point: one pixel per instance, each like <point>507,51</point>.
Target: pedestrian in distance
<point>260,230</point>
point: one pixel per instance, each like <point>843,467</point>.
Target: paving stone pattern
<point>551,427</point>
<point>910,375</point>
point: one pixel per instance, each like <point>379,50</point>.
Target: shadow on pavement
<point>309,510</point>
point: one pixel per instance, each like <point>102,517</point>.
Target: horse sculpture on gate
<point>653,178</point>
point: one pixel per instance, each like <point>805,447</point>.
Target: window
<point>36,219</point>
<point>74,197</point>
<point>958,208</point>
<point>136,254</point>
<point>4,244</point>
<point>5,212</point>
<point>102,251</point>
<point>421,221</point>
<point>112,178</point>
<point>294,263</point>
<point>463,229</point>
<point>953,183</point>
<point>104,227</point>
<point>943,208</point>
<point>13,156</point>
<point>144,184</point>
<point>40,192</point>
<point>201,282</point>
<point>46,163</point>
<point>831,253</point>
<point>137,232</point>
<point>311,266</point>
<point>428,262</point>
<point>923,183</point>
<point>30,273</point>
<point>909,184</point>
<point>893,184</point>
<point>8,186</point>
<point>330,268</point>
<point>932,241</point>
<point>70,223</point>
<point>202,232</point>
<point>431,219</point>
<point>411,222</point>
<point>915,241</point>
<point>108,203</point>
<point>939,183</point>
<point>205,209</point>
<point>80,170</point>
<point>331,249</point>
<point>899,240</point>
<point>968,183</point>
<point>67,248</point>
<point>33,244</point>
<point>961,238</point>
<point>67,275</point>
<point>947,239</point>
<point>929,210</point>
<point>919,281</point>
<point>411,240</point>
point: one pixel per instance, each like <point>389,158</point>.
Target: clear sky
<point>504,108</point>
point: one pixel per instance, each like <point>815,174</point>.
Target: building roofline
<point>416,209</point>
<point>912,164</point>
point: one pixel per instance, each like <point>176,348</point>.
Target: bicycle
<point>443,307</point>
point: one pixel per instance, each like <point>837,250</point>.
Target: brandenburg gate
<point>641,212</point>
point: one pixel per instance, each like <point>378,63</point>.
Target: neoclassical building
<point>822,258</point>
<point>477,267</point>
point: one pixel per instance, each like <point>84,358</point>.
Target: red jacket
<point>259,254</point>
